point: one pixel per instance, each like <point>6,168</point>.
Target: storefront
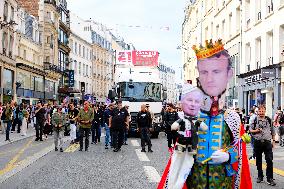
<point>261,86</point>
<point>33,85</point>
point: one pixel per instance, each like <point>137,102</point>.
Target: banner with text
<point>138,58</point>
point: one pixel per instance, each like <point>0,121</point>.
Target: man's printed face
<point>214,75</point>
<point>261,112</point>
<point>192,103</point>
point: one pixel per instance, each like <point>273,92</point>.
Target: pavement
<point>28,164</point>
<point>16,136</point>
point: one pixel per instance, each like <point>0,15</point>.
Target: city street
<point>29,164</point>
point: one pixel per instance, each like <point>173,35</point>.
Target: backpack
<point>3,117</point>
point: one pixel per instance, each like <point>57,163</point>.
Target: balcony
<point>52,2</point>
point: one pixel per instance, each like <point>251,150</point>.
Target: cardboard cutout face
<point>214,75</point>
<point>192,102</point>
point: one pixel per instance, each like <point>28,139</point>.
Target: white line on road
<point>134,143</point>
<point>152,174</point>
<point>141,155</point>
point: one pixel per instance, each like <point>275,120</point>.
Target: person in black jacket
<point>170,117</point>
<point>96,124</point>
<point>144,121</point>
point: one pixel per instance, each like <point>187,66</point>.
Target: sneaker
<point>86,149</point>
<point>56,149</point>
<point>116,150</point>
<point>259,180</point>
<point>143,150</point>
<point>150,150</point>
<point>125,143</point>
<point>106,147</point>
<point>61,149</point>
<point>81,149</point>
<point>271,182</point>
<point>37,139</point>
<point>40,140</point>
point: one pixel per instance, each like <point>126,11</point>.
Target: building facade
<point>167,76</point>
<point>8,44</point>
<point>254,36</point>
<point>261,76</point>
<point>82,63</point>
<point>102,54</point>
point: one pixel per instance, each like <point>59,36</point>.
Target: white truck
<point>137,85</point>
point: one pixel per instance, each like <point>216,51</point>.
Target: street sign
<point>266,73</point>
<point>71,78</point>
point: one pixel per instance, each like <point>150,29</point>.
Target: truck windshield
<point>140,91</point>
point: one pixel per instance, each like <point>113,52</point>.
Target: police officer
<point>144,121</point>
<point>118,121</point>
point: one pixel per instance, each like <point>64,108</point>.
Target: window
<point>230,25</point>
<point>8,79</point>
<point>5,42</point>
<point>258,52</point>
<point>269,6</point>
<point>87,71</point>
<point>79,49</point>
<point>12,14</point>
<point>238,19</point>
<point>5,11</point>
<point>269,48</point>
<point>11,44</point>
<point>83,52</point>
<point>79,68</point>
<point>84,70</point>
<point>75,47</point>
<point>25,55</point>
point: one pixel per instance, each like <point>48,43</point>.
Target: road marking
<point>17,167</point>
<point>275,170</point>
<point>141,155</point>
<point>152,174</point>
<point>72,148</point>
<point>11,163</point>
<point>135,143</point>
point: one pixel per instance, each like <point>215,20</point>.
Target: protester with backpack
<point>264,135</point>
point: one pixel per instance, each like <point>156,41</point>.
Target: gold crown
<point>209,50</point>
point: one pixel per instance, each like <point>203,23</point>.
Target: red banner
<point>145,58</point>
<point>138,58</point>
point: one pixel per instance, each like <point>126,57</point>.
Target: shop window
<point>8,79</point>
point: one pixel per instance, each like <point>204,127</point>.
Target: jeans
<point>96,132</point>
<point>107,137</point>
<point>117,138</point>
<point>145,137</point>
<point>58,137</point>
<point>266,148</point>
<point>85,131</point>
<point>8,126</point>
<point>125,134</point>
<point>39,129</point>
<point>73,131</point>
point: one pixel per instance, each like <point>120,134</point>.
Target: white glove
<point>220,157</point>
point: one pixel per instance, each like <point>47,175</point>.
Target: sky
<point>159,24</point>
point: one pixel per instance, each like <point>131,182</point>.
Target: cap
<point>187,88</point>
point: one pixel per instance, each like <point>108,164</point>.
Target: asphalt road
<point>28,164</point>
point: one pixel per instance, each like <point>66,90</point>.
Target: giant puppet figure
<point>220,161</point>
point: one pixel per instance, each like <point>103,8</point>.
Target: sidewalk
<point>16,136</point>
